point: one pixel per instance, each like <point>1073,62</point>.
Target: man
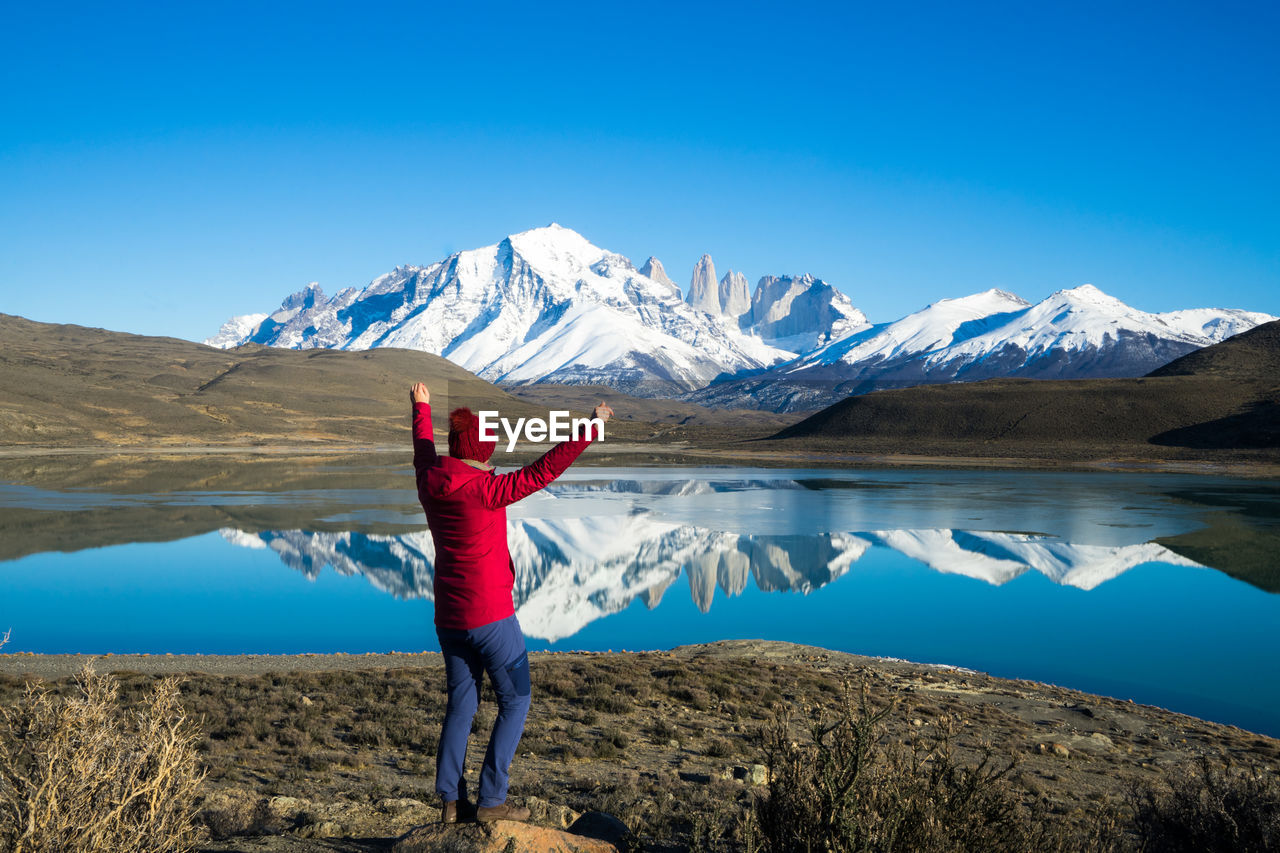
<point>465,503</point>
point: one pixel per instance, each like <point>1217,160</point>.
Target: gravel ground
<point>336,752</point>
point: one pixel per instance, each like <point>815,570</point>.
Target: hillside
<point>75,387</point>
<point>1252,356</point>
<point>1223,396</point>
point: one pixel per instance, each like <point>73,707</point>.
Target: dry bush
<point>1233,810</point>
<point>845,790</point>
<point>81,773</point>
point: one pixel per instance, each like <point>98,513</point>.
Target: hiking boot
<point>457,811</point>
<point>506,811</point>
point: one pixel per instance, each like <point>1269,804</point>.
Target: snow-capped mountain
<point>236,331</point>
<point>795,313</point>
<point>1217,324</point>
<point>800,313</point>
<point>541,306</point>
<point>548,306</point>
<point>1073,334</point>
<point>573,571</point>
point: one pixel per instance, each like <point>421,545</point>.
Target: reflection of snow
<point>573,571</point>
<point>1000,557</point>
<point>246,540</point>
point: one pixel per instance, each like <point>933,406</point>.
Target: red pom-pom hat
<point>464,437</point>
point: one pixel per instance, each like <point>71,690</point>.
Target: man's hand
<point>602,411</point>
<point>419,393</point>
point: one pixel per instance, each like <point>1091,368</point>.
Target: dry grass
<point>848,788</point>
<point>1227,809</point>
<point>667,742</point>
<point>81,773</point>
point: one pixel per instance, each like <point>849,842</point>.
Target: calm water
<point>1158,588</point>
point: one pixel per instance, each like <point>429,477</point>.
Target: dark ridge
<point>1253,355</point>
<point>1225,396</point>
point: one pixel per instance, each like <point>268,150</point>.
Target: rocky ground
<point>336,752</point>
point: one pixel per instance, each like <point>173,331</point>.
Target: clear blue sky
<point>165,166</point>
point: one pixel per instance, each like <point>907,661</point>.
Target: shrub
<point>844,791</point>
<point>718,748</point>
<point>82,774</point>
<point>662,731</point>
<point>605,749</point>
<point>366,733</point>
<point>1235,809</point>
<point>695,698</point>
<point>611,744</point>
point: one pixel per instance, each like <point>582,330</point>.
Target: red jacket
<point>467,512</point>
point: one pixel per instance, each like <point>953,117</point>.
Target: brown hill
<point>75,386</point>
<point>1252,356</point>
<point>1224,396</point>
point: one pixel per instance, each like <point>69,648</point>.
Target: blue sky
<point>164,166</point>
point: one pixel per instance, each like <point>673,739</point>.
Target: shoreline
<point>58,666</point>
<point>681,453</point>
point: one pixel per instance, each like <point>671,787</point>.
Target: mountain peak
<point>1087,293</point>
<point>735,295</point>
<point>554,245</point>
<point>551,231</point>
<point>653,269</point>
<point>308,297</point>
<point>984,302</point>
<point>800,312</point>
<point>703,289</point>
<point>997,293</point>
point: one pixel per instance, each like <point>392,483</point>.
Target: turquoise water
<point>1158,588</point>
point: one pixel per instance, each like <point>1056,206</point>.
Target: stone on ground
<point>499,836</point>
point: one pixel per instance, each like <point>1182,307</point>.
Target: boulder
<point>287,808</point>
<point>602,827</point>
<point>499,836</point>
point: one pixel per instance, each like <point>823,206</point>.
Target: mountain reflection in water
<point>573,571</point>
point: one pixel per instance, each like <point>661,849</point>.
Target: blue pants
<point>498,649</point>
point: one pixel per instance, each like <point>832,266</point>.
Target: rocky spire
<point>703,293</point>
<point>653,269</point>
<point>735,298</point>
<point>803,308</point>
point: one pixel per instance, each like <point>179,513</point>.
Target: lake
<point>1160,588</point>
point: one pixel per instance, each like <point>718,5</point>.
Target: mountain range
<point>547,306</point>
<point>1224,396</point>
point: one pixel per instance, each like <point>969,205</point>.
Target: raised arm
<point>505,489</point>
<point>424,446</point>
